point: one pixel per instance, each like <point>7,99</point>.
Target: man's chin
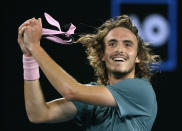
<point>120,74</point>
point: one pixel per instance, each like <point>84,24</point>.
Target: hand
<point>20,39</point>
<point>32,33</point>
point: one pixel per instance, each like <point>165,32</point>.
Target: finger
<point>40,21</point>
<point>33,21</point>
<point>27,22</point>
<point>19,40</point>
<point>21,31</point>
<point>20,36</point>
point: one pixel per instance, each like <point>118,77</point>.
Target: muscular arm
<point>60,79</point>
<point>58,110</point>
<point>39,111</point>
<point>67,85</point>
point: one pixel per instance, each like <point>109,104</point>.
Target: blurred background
<point>159,22</point>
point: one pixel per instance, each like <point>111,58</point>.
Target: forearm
<point>37,109</point>
<point>34,101</point>
<point>61,80</point>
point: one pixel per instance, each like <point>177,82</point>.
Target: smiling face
<point>120,54</point>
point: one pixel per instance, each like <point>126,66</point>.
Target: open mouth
<point>118,59</point>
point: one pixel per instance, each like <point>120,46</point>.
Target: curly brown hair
<point>95,49</point>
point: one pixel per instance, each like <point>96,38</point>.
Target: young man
<point>122,99</point>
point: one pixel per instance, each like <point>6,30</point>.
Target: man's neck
<point>113,78</point>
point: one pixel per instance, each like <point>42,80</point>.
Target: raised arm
<point>38,110</point>
<point>60,79</point>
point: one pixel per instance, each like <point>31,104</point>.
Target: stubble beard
<point>121,74</point>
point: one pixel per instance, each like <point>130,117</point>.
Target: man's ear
<point>137,60</point>
<point>103,58</point>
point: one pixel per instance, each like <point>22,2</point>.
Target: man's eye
<point>112,44</point>
<point>128,44</point>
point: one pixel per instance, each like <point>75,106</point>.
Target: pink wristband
<point>31,68</point>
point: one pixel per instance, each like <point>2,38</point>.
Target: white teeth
<point>118,59</point>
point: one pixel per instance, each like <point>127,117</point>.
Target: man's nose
<point>120,48</point>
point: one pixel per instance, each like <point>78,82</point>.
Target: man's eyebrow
<point>124,41</point>
<point>128,41</point>
<point>112,40</point>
